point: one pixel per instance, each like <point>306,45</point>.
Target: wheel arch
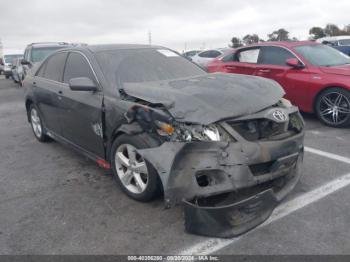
<point>28,103</point>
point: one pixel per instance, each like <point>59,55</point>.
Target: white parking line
<point>212,245</point>
<point>328,155</point>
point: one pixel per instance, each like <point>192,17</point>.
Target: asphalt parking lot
<point>55,201</point>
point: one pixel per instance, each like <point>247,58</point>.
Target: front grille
<point>265,129</point>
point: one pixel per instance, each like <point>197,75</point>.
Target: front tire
<point>333,107</point>
<point>37,124</point>
<point>136,177</point>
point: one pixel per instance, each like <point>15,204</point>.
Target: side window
<point>228,58</point>
<point>54,67</point>
<point>205,54</point>
<point>77,66</point>
<point>41,70</point>
<point>214,54</point>
<point>248,56</point>
<point>273,55</point>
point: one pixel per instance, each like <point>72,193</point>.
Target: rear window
<point>38,54</point>
<point>144,65</point>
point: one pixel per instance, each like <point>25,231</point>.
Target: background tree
<point>279,35</point>
<point>316,32</point>
<point>347,29</point>
<point>236,42</point>
<point>332,30</point>
<point>251,39</point>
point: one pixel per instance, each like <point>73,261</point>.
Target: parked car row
<point>6,64</point>
<point>16,66</point>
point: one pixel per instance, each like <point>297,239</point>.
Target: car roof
<point>286,44</point>
<point>110,47</point>
<point>53,44</point>
<point>333,38</point>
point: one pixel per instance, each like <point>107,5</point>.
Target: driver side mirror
<point>295,63</point>
<point>25,62</point>
<point>82,84</point>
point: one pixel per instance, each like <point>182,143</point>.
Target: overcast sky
<point>175,24</point>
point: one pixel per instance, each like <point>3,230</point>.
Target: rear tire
<point>37,124</point>
<point>136,177</point>
<point>333,107</point>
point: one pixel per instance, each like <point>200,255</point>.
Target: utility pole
<point>149,37</point>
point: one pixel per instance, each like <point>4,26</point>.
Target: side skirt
<point>100,161</point>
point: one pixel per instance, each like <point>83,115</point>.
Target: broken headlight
<point>188,132</point>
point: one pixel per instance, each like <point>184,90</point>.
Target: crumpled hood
<point>337,70</point>
<point>209,98</point>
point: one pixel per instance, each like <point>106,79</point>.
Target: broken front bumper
<point>227,188</point>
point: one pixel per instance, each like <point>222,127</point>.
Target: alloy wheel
<point>36,122</point>
<point>131,169</point>
<point>334,108</point>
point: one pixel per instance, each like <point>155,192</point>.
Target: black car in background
<point>220,144</point>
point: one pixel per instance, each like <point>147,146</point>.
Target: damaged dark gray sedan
<point>227,147</point>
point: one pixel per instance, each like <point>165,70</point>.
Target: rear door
<point>48,87</point>
<point>272,64</point>
<point>83,109</point>
<point>243,61</point>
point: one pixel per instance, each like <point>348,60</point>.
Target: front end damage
<point>229,186</point>
<point>228,172</point>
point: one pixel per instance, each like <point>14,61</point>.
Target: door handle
<point>34,83</point>
<point>264,70</point>
<point>60,92</point>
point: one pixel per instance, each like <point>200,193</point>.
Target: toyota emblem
<point>280,116</point>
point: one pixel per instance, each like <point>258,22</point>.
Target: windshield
<point>40,53</point>
<point>322,55</point>
<point>145,65</point>
<point>344,42</point>
<point>9,58</point>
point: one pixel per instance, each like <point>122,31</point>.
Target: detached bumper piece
<point>232,214</point>
<point>229,220</point>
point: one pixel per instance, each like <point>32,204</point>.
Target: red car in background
<point>315,77</point>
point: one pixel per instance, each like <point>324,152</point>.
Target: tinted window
<point>214,54</point>
<point>55,66</point>
<point>228,58</point>
<point>322,55</point>
<point>248,56</point>
<point>77,66</point>
<point>143,65</point>
<point>210,54</point>
<point>205,54</point>
<point>344,42</point>
<point>273,55</point>
<point>41,71</point>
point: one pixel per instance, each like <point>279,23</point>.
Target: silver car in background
<point>17,71</point>
<point>203,58</point>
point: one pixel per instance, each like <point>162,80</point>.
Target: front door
<point>83,109</point>
<point>272,64</point>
